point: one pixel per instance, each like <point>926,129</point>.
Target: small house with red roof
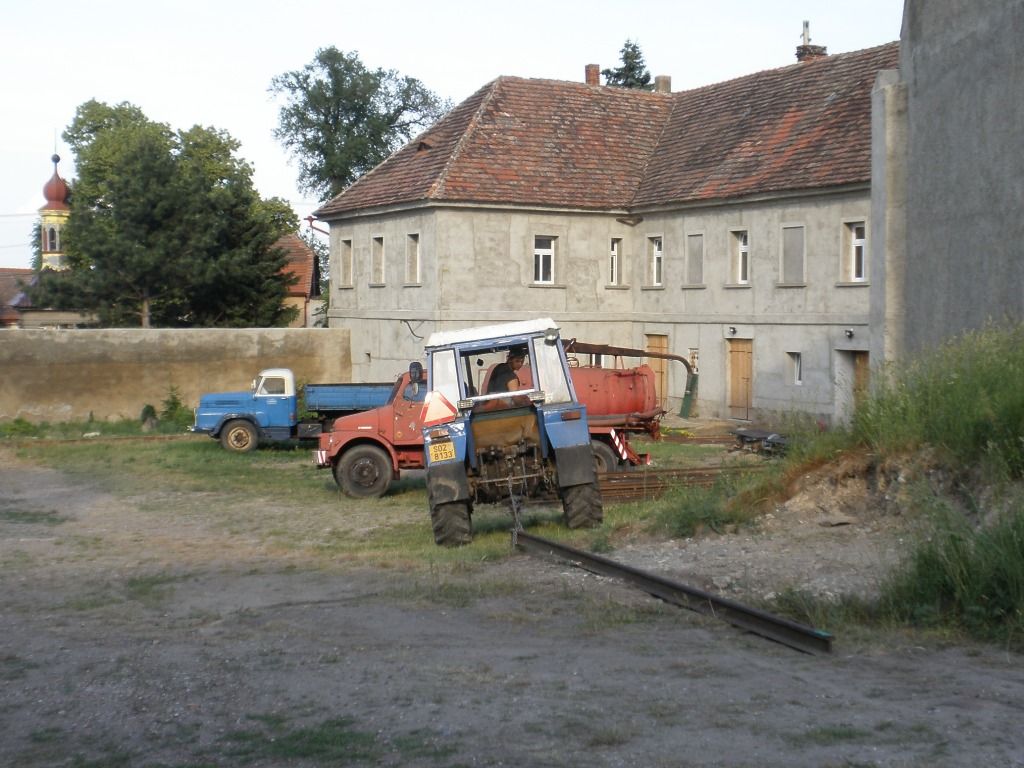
<point>304,291</point>
<point>727,223</point>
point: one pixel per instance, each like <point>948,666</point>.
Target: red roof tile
<point>803,126</point>
<point>560,144</point>
<point>301,262</point>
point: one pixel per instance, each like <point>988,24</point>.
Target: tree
<point>166,228</point>
<point>633,73</point>
<point>341,119</point>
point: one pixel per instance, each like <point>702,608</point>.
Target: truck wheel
<point>452,524</point>
<point>363,472</point>
<point>605,459</point>
<point>239,436</point>
<point>581,506</point>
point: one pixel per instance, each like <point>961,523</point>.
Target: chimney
<point>808,52</point>
<point>663,84</point>
<point>593,74</point>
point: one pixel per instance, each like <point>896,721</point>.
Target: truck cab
<point>239,419</point>
<point>504,442</point>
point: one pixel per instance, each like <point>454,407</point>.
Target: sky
<point>210,62</point>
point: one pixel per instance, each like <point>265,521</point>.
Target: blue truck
<point>269,409</point>
<point>499,439</point>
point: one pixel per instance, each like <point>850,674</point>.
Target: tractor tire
<point>581,506</point>
<point>239,436</point>
<point>605,459</point>
<point>363,472</point>
<point>452,523</point>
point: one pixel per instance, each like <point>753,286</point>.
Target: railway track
<point>644,483</point>
<point>777,628</point>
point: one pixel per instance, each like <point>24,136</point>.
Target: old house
<point>728,224</point>
<point>304,292</point>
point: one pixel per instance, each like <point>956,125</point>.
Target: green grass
<point>32,517</point>
<point>962,406</point>
<point>335,741</point>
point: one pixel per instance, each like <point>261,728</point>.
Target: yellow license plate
<point>442,451</point>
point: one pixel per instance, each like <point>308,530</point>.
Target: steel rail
<point>782,630</point>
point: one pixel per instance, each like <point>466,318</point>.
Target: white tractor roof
<point>522,328</point>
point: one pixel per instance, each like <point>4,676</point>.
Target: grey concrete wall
<point>51,375</point>
<point>477,268</point>
<point>888,216</point>
<point>962,66</point>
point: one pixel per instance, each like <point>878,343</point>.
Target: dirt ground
<point>128,638</point>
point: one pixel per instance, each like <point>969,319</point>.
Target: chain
<point>517,524</point>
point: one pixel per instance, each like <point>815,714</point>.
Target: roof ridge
<point>828,59</point>
<point>437,187</point>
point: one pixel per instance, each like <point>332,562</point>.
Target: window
<point>345,268</point>
<point>51,239</point>
<point>792,255</point>
<point>796,368</point>
<point>854,252</point>
<point>272,385</point>
<point>740,271</point>
<point>614,262</point>
<point>654,247</point>
<point>412,260</point>
<point>695,259</point>
<point>377,261</point>
<point>544,260</point>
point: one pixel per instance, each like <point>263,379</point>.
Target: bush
<point>19,428</point>
<point>173,410</point>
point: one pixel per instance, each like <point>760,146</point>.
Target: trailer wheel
<point>239,436</point>
<point>605,459</point>
<point>363,472</point>
<point>452,524</point>
<point>581,506</point>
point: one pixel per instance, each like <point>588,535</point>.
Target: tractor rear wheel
<point>452,524</point>
<point>581,506</point>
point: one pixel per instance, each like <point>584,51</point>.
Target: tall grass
<point>966,398</point>
<point>964,577</point>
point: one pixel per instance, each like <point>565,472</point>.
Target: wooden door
<point>861,376</point>
<point>741,366</point>
<point>658,343</point>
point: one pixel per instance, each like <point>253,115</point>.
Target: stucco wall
<point>49,375</point>
<point>963,72</point>
<point>477,268</point>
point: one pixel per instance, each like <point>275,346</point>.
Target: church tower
<point>53,218</point>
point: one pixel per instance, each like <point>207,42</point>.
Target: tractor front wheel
<point>581,506</point>
<point>452,524</point>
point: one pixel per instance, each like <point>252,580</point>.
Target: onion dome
<point>56,190</point>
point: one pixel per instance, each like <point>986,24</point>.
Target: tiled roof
<point>561,144</point>
<point>301,263</point>
<point>539,142</point>
<point>12,297</point>
<point>800,127</point>
<point>11,282</point>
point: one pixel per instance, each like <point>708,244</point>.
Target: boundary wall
<point>68,375</point>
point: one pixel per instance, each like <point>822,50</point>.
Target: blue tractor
<point>488,437</point>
